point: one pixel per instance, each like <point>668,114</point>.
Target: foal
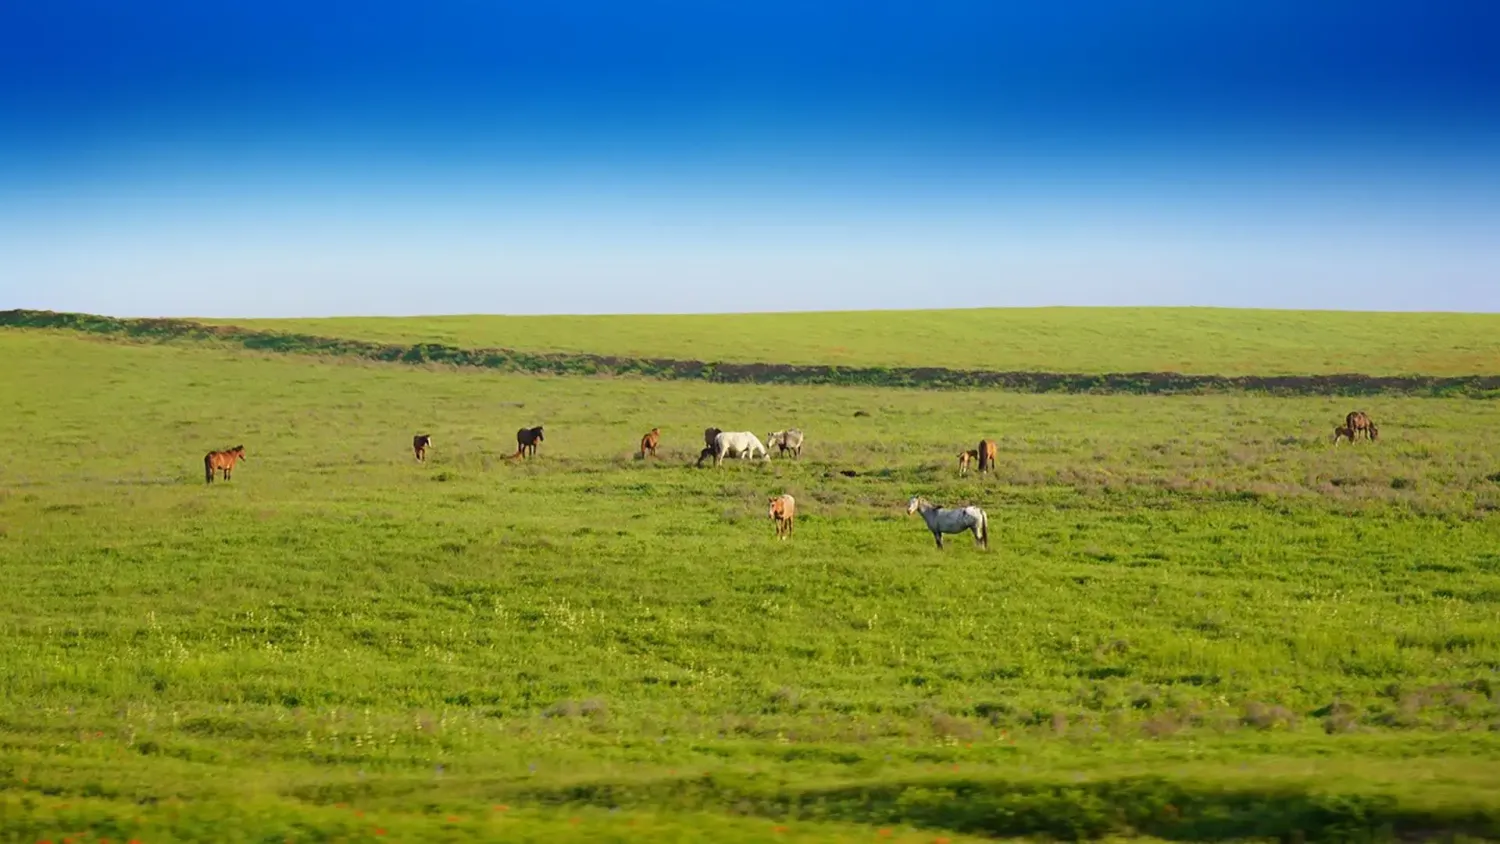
<point>784,513</point>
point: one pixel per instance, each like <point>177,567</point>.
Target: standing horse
<point>526,440</point>
<point>741,444</point>
<point>222,461</point>
<point>941,521</point>
<point>419,446</point>
<point>987,453</point>
<point>1358,422</point>
<point>784,441</point>
<point>650,442</point>
<point>709,437</point>
<point>965,458</point>
<point>1342,432</point>
<point>784,513</point>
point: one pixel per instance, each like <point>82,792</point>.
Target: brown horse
<point>419,445</point>
<point>650,442</point>
<point>222,461</point>
<point>526,440</point>
<point>1342,432</point>
<point>784,514</point>
<point>710,437</point>
<point>987,453</point>
<point>1358,422</point>
<point>965,458</point>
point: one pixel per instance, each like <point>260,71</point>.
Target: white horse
<point>788,440</point>
<point>741,444</point>
<point>941,521</point>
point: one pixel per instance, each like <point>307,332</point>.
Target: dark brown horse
<point>710,437</point>
<point>987,452</point>
<point>1342,432</point>
<point>1358,422</point>
<point>526,440</point>
<point>650,442</point>
<point>222,461</point>
<point>419,445</point>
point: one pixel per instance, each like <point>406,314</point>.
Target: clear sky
<point>279,159</point>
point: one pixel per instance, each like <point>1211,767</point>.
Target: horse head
<point>913,505</point>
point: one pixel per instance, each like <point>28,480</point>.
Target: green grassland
<point>1197,619</point>
<point>1203,341</point>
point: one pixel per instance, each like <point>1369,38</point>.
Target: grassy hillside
<point>1198,619</point>
<point>1088,340</point>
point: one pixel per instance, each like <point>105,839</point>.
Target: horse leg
<point>938,535</point>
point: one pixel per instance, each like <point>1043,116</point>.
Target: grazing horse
<point>784,441</point>
<point>650,442</point>
<point>965,458</point>
<point>987,453</point>
<point>1358,422</point>
<point>222,461</point>
<point>783,513</point>
<point>709,436</point>
<point>526,440</point>
<point>941,521</point>
<point>1342,432</point>
<point>419,446</point>
<point>741,444</point>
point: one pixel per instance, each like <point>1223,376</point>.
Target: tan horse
<point>784,513</point>
<point>650,442</point>
<point>221,461</point>
<point>419,446</point>
<point>1357,422</point>
<point>965,458</point>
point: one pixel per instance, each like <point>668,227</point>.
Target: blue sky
<point>275,158</point>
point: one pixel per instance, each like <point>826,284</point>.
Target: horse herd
<point>719,444</point>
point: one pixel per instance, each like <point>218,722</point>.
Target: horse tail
<point>208,468</point>
<point>984,530</point>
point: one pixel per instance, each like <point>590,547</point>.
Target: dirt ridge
<point>1141,383</point>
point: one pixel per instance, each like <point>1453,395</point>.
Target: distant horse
<point>1358,422</point>
<point>741,444</point>
<point>526,440</point>
<point>650,442</point>
<point>941,521</point>
<point>965,458</point>
<point>222,461</point>
<point>987,453</point>
<point>788,440</point>
<point>1342,432</point>
<point>709,436</point>
<point>783,513</point>
<point>419,446</point>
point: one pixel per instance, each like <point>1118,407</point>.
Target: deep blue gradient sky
<point>360,158</point>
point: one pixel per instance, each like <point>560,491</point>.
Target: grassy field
<point>1088,340</point>
<point>1197,620</point>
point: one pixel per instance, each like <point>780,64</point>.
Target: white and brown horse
<point>940,520</point>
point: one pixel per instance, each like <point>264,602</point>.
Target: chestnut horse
<point>965,458</point>
<point>1342,432</point>
<point>526,440</point>
<point>784,514</point>
<point>222,461</point>
<point>1358,422</point>
<point>419,445</point>
<point>650,442</point>
<point>987,453</point>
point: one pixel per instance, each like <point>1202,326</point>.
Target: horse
<point>783,512</point>
<point>741,444</point>
<point>419,446</point>
<point>526,440</point>
<point>223,461</point>
<point>1342,432</point>
<point>987,453</point>
<point>941,521</point>
<point>788,440</point>
<point>965,458</point>
<point>650,442</point>
<point>709,436</point>
<point>1358,422</point>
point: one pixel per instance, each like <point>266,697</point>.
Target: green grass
<point>1197,620</point>
<point>1087,340</point>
